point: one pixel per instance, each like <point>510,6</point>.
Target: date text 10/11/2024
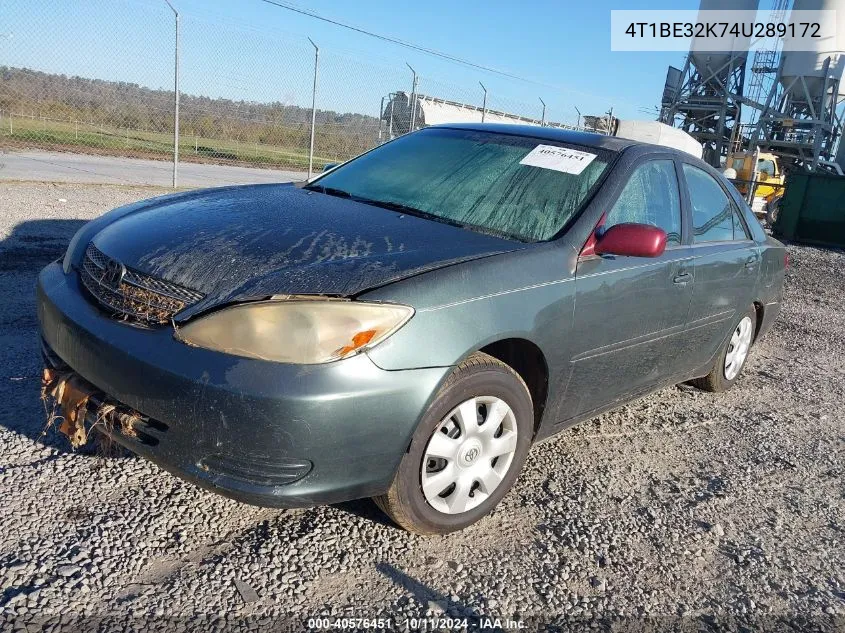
<point>432,623</point>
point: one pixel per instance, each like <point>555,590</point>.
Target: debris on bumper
<point>72,398</point>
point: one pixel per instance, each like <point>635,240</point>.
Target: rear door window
<point>713,214</point>
<point>651,197</point>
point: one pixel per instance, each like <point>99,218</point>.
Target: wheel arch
<point>526,359</point>
<point>759,310</point>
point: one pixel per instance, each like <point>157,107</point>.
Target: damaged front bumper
<point>266,433</point>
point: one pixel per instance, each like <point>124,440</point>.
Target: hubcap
<point>738,348</point>
<point>468,454</point>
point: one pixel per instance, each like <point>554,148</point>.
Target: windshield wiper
<point>331,191</point>
<point>386,204</point>
<point>409,210</point>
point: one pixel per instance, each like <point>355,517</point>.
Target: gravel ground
<point>684,510</point>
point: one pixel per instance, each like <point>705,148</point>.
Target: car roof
<point>586,139</point>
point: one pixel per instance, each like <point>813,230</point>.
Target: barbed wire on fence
<point>245,96</point>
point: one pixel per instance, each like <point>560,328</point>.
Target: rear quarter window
<point>715,216</point>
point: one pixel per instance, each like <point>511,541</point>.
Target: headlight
<point>296,331</point>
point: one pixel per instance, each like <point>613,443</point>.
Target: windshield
<point>766,166</point>
<point>475,180</point>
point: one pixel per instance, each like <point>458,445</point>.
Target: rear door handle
<point>682,278</point>
<point>751,262</point>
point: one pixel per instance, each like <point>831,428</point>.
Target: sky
<point>247,49</point>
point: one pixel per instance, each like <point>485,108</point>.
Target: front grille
<point>131,295</point>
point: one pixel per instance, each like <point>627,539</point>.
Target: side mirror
<point>329,166</point>
<point>632,240</point>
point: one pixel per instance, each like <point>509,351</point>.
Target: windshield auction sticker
<point>569,161</point>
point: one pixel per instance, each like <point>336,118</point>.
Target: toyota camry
<point>407,324</point>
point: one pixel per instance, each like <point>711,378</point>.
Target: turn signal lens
<point>359,340</point>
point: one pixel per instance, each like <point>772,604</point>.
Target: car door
<point>726,263</point>
<point>630,312</point>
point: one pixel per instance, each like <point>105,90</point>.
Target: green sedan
<point>406,325</point>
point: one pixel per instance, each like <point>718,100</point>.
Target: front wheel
<point>467,451</point>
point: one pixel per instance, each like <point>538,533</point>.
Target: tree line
<point>132,106</point>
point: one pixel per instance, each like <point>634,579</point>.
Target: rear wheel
<point>467,451</point>
<point>732,359</point>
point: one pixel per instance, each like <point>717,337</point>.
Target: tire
<point>772,212</point>
<point>720,377</point>
<point>473,393</point>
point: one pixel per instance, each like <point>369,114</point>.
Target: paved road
<point>66,167</point>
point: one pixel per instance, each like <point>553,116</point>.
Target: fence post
<point>390,127</point>
<point>313,108</point>
<point>380,117</point>
<point>483,105</point>
<point>176,99</point>
<point>413,104</point>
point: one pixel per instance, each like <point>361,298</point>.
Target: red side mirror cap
<point>632,240</point>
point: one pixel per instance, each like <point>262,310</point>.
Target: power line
<point>399,42</point>
<point>430,51</point>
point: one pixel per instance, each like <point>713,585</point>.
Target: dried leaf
<point>127,423</point>
<point>73,400</point>
<point>52,382</point>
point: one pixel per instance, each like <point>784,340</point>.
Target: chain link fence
<point>103,77</point>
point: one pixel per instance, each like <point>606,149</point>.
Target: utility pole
<point>483,105</point>
<point>313,108</point>
<point>578,121</point>
<point>176,100</point>
<point>543,118</point>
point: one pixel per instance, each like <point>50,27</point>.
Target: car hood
<point>238,243</point>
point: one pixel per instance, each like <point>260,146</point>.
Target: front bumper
<point>237,426</point>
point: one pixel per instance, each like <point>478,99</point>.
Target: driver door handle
<point>682,278</point>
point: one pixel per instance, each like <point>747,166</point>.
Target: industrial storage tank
<point>426,110</point>
<point>810,63</point>
<point>657,134</point>
<point>709,62</point>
